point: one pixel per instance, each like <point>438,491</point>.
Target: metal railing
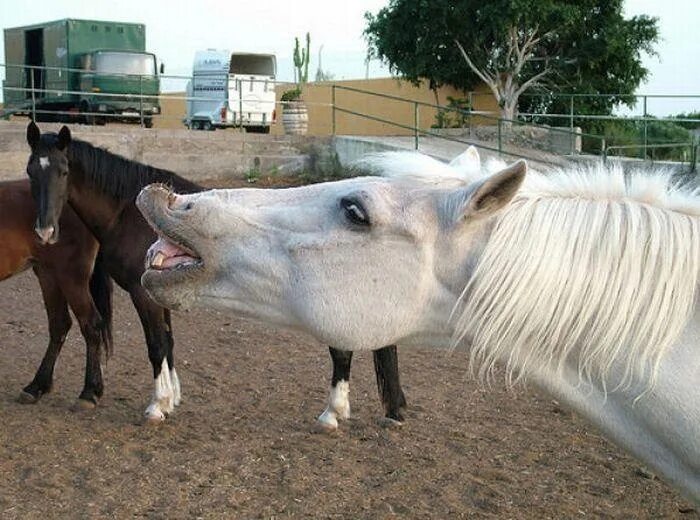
<point>33,97</point>
<point>503,127</point>
<point>603,146</point>
<point>646,146</point>
<point>503,134</point>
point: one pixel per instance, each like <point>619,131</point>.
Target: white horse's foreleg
<point>163,400</point>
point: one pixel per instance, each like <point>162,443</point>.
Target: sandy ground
<point>242,444</point>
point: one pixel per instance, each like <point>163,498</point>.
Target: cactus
<point>301,61</point>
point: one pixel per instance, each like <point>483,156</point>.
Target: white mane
<point>465,167</point>
<point>588,263</point>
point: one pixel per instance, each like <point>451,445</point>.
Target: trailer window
<point>125,63</point>
<point>252,64</point>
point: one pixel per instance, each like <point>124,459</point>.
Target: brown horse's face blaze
<point>48,175</point>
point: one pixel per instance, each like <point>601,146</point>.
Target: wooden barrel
<point>295,118</point>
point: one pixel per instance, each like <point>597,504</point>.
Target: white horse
<point>583,281</point>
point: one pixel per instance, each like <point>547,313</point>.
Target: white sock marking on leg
<point>175,382</point>
<point>163,396</point>
<point>338,405</point>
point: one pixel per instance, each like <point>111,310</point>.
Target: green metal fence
<point>595,144</point>
<point>503,127</point>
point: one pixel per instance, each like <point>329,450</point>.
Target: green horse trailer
<point>88,70</point>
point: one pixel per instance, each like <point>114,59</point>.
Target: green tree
<point>517,45</point>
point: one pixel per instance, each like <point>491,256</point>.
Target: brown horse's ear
<point>33,135</point>
<point>63,138</point>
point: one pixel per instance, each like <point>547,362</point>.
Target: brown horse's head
<point>48,174</point>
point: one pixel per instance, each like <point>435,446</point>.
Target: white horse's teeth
<point>158,259</point>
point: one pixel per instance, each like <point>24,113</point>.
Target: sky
<point>175,29</point>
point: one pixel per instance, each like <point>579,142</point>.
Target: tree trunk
<point>509,110</point>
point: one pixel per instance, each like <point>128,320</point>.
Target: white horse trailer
<point>231,89</point>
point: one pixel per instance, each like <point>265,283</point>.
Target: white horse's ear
<point>467,162</point>
<point>495,192</point>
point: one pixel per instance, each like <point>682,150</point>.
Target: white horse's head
<point>359,263</point>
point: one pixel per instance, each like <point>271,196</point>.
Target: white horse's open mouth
<point>167,255</point>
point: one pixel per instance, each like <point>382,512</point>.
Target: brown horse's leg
<point>174,379</point>
<point>156,328</point>
<point>76,289</point>
<point>59,325</point>
<point>386,366</point>
<point>338,399</point>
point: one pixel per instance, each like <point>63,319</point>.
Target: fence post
<point>471,109</point>
<point>572,137</point>
<point>604,150</point>
<point>239,86</point>
<point>333,108</point>
<point>141,99</point>
<point>415,125</point>
<point>31,75</point>
<point>500,140</point>
<point>644,149</point>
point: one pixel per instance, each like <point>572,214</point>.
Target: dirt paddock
<point>242,444</point>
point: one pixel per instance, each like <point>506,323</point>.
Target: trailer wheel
<point>207,125</point>
<point>257,129</point>
<point>195,125</point>
<point>86,109</point>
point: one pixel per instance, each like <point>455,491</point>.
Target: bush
<point>623,132</point>
<point>454,115</point>
<point>293,94</point>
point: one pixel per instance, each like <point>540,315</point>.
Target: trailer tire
<point>85,110</point>
<point>195,125</point>
<point>148,122</point>
<point>207,126</point>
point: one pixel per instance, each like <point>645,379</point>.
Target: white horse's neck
<point>660,427</point>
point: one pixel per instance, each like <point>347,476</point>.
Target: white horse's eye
<point>355,212</point>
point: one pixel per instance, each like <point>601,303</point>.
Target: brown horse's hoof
<point>389,423</point>
<point>83,405</point>
<point>325,428</point>
<point>27,398</point>
<point>153,417</point>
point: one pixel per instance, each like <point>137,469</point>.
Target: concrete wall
<point>318,97</point>
<point>195,155</point>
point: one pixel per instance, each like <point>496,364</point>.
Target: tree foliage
<point>582,45</point>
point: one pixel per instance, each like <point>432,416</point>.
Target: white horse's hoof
<point>389,423</point>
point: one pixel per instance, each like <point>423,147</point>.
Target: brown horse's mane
<point>118,176</point>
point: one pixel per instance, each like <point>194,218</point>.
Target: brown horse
<point>102,187</point>
<point>67,278</point>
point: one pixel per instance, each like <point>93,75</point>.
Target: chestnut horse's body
<point>65,274</point>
